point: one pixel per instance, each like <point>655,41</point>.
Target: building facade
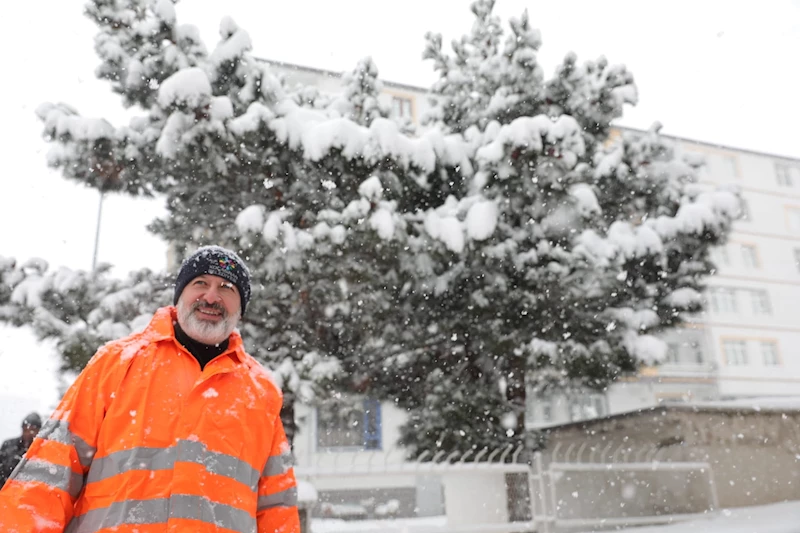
<point>745,344</point>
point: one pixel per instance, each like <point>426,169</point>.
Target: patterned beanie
<point>217,261</point>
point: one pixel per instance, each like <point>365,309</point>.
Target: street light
<point>108,174</point>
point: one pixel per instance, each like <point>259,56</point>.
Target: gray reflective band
<point>165,458</point>
<point>58,431</point>
<point>219,514</point>
<point>278,464</point>
<point>154,511</point>
<point>85,452</point>
<point>284,498</point>
<point>217,463</point>
<point>57,476</point>
<point>159,511</point>
<point>133,459</point>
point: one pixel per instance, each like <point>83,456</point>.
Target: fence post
<point>537,461</point>
<point>533,475</point>
<point>712,485</point>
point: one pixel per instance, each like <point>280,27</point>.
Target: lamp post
<point>108,174</point>
<point>97,229</point>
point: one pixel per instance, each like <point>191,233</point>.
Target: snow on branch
<point>533,133</point>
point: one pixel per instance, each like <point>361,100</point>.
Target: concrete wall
<point>753,454</point>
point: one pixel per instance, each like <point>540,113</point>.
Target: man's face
<point>29,433</point>
<point>209,309</point>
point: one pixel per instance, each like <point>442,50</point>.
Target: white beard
<point>205,331</point>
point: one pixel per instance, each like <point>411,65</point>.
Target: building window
<point>793,219</point>
<point>720,257</point>
<point>769,353</point>
<point>697,350</point>
<point>749,256</point>
<point>587,406</point>
<point>735,352</point>
<point>760,301</point>
<point>673,353</point>
<point>787,175</point>
<point>547,412</point>
<point>723,300</point>
<point>744,210</point>
<point>402,107</point>
<point>797,258</point>
<point>728,166</point>
<point>349,423</point>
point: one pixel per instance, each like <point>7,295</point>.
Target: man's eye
<point>226,286</point>
<point>200,282</point>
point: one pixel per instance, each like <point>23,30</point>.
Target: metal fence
<point>566,489</point>
<point>618,485</point>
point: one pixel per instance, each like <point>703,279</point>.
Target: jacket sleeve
<point>277,488</point>
<point>6,466</point>
<point>41,492</point>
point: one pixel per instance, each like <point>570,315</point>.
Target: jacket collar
<point>161,328</point>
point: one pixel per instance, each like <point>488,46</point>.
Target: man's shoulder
<point>260,374</point>
<point>10,444</point>
<point>120,350</point>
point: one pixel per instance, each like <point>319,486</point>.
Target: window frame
<point>786,174</point>
<point>401,104</point>
<point>718,295</point>
<point>734,357</point>
<point>760,301</point>
<point>774,359</point>
<point>792,213</point>
<point>749,255</point>
<point>370,427</point>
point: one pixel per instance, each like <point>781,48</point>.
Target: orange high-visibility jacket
<point>146,442</point>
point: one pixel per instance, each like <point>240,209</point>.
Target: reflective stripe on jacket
<point>145,441</point>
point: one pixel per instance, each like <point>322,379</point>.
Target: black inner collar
<point>202,352</point>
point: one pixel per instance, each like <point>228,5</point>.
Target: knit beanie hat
<point>33,420</point>
<point>217,261</point>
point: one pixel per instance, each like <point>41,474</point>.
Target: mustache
<point>215,306</point>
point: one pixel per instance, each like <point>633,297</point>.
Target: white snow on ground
<point>399,525</point>
<point>775,518</point>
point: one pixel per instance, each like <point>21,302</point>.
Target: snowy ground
<point>776,518</point>
<point>401,525</point>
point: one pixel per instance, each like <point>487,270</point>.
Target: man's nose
<point>211,295</point>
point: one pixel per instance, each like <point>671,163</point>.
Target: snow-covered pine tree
<point>80,310</point>
<point>550,259</point>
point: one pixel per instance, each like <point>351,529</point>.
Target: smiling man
<point>174,429</point>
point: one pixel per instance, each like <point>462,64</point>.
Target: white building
<point>747,344</point>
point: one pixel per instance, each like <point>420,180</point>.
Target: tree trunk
<point>287,417</point>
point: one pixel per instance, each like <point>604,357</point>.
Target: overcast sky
<point>717,71</point>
